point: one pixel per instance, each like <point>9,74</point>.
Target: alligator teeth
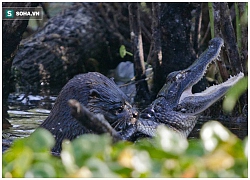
<point>212,89</point>
<point>230,82</point>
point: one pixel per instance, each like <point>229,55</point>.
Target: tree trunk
<point>142,92</point>
<point>178,52</point>
<point>155,55</point>
<point>12,35</point>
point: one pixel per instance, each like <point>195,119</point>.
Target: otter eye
<point>119,110</point>
<point>94,93</point>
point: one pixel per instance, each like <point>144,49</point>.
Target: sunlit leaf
<point>170,141</point>
<point>68,158</point>
<point>83,172</point>
<point>125,158</point>
<point>219,160</point>
<point>141,161</point>
<point>212,133</point>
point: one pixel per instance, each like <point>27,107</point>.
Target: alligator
<point>175,105</point>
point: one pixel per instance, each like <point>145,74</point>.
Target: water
<point>26,114</point>
<point>24,122</point>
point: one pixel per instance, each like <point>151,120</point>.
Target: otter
<point>98,94</point>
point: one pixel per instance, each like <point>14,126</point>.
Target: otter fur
<point>97,93</point>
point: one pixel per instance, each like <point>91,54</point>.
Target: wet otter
<point>100,95</point>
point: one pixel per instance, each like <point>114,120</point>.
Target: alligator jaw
<point>195,72</point>
<point>181,83</point>
<point>193,104</point>
<point>175,105</point>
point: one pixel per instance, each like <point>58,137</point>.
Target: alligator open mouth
<point>193,104</point>
<point>176,106</point>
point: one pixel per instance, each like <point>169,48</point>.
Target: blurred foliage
<point>218,153</point>
<point>234,94</point>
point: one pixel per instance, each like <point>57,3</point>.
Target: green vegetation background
<point>218,153</point>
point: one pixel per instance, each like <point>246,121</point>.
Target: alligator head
<point>176,106</point>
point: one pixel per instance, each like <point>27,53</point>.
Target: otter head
<point>106,98</point>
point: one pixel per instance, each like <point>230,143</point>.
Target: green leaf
<point>41,140</point>
<point>122,51</point>
<point>234,94</point>
<point>41,170</point>
<point>89,145</point>
<point>99,168</point>
<point>218,153</point>
<point>195,148</point>
<point>16,163</point>
<point>25,152</point>
<point>245,143</point>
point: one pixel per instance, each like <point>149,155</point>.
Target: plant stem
<point>211,17</point>
<point>238,27</point>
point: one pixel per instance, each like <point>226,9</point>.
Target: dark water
<point>26,113</point>
<point>237,125</point>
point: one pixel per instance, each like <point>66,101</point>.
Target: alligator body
<point>175,105</point>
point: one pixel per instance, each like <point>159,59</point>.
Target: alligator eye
<point>182,74</point>
<point>180,108</point>
<point>172,76</point>
<point>183,110</point>
<point>178,76</point>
